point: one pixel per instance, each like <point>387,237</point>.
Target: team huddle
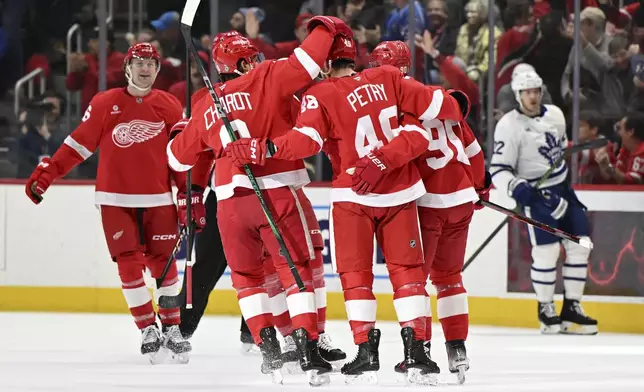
<point>407,170</point>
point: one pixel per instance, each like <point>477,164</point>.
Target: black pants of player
<point>210,264</point>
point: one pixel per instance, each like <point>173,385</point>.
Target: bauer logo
<point>136,131</point>
<point>164,237</point>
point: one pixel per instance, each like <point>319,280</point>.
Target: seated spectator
<point>473,40</point>
<point>590,123</point>
<point>506,99</point>
<point>196,81</point>
<point>168,33</point>
<point>397,23</point>
<point>83,69</point>
<point>636,101</point>
<point>444,36</point>
<point>628,166</point>
<point>170,71</point>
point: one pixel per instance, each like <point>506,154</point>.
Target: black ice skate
<point>548,318</point>
<point>311,361</point>
<point>290,356</point>
<point>151,341</point>
<point>418,366</point>
<point>271,354</point>
<point>366,362</point>
<point>178,346</point>
<point>457,358</point>
<point>246,339</point>
<point>575,321</point>
<point>327,351</point>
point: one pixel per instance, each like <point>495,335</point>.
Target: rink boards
<point>53,258</point>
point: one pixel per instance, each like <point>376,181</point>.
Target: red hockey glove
<point>245,151</point>
<point>42,177</point>
<point>484,194</point>
<point>198,209</point>
<point>336,26</point>
<point>369,170</point>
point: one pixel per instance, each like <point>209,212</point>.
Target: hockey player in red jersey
<point>256,97</point>
<point>354,119</point>
<point>453,171</point>
<point>133,189</point>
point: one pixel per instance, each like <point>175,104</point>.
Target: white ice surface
<point>97,353</point>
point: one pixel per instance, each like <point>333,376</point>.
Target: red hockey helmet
<point>231,47</point>
<point>343,48</point>
<point>142,51</point>
<point>394,53</point>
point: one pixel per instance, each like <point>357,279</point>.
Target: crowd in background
<point>451,41</point>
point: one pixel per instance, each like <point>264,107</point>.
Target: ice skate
<point>457,359</point>
<point>174,341</point>
<point>311,360</point>
<point>420,369</point>
<point>548,318</point>
<point>327,351</point>
<point>290,356</point>
<point>366,363</point>
<point>248,344</point>
<point>271,354</point>
<point>151,342</point>
<point>574,321</point>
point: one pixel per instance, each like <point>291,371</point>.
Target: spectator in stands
<point>196,81</point>
<point>170,72</point>
<point>516,43</point>
<point>443,35</point>
<point>397,23</point>
<point>628,166</point>
<point>50,57</point>
<point>473,40</point>
<point>636,101</point>
<point>83,67</point>
<point>38,133</point>
<point>168,32</point>
<point>590,123</point>
<point>506,99</point>
<point>279,49</point>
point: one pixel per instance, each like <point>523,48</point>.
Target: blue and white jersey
<point>526,147</point>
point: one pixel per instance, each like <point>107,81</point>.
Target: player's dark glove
<point>522,192</point>
<point>336,26</point>
<point>369,171</point>
<point>42,177</point>
<point>484,194</point>
<point>198,209</point>
<point>557,205</point>
<point>463,101</point>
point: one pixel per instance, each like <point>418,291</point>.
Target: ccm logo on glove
<point>253,149</point>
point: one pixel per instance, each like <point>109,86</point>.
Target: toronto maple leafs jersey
<point>526,147</point>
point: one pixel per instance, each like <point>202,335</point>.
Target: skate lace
<point>324,342</point>
<point>150,334</point>
<point>578,309</point>
<point>289,344</point>
<point>549,310</point>
<point>174,333</point>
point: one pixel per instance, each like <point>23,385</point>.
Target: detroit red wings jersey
<point>132,134</point>
<point>349,117</point>
<point>631,164</point>
<point>259,105</point>
<point>453,166</point>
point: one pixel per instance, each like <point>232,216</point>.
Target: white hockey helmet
<point>522,68</point>
<point>525,81</point>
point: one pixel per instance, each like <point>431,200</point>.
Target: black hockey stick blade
<point>171,301</point>
<point>187,18</point>
<point>542,226</point>
<point>590,145</point>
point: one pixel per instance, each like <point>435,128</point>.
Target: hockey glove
<point>369,170</point>
<point>484,194</point>
<point>556,205</point>
<point>522,192</point>
<point>42,177</point>
<point>336,26</point>
<point>245,151</point>
<point>198,209</point>
<point>463,101</point>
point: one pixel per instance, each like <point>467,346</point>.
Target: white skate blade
<point>550,329</point>
<point>277,377</point>
<point>179,358</point>
<point>414,377</point>
<point>460,374</point>
<point>570,328</point>
<point>366,378</point>
<point>293,368</point>
<point>316,380</point>
<point>250,349</point>
<point>158,357</point>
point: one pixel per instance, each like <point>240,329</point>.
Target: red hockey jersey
<point>132,134</point>
<point>631,164</point>
<point>453,167</point>
<point>259,105</point>
<point>353,115</point>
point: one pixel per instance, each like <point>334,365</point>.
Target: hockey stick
<point>187,18</point>
<point>591,145</point>
<point>552,230</point>
<point>177,247</point>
